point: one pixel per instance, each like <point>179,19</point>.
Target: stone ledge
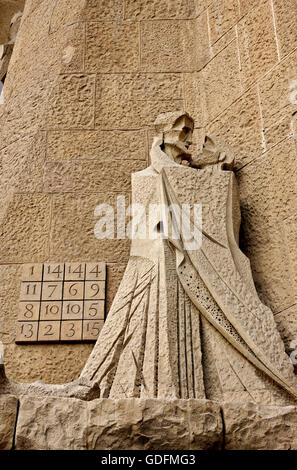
<point>105,424</point>
<point>45,423</point>
<point>250,426</point>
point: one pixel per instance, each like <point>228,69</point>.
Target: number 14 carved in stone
<point>61,302</point>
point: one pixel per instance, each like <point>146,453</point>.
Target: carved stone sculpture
<point>186,323</point>
<point>7,48</point>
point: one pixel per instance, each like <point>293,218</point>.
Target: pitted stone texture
<point>92,176</point>
<point>73,223</point>
<point>25,229</point>
<point>195,100</point>
<point>9,299</point>
<point>65,54</point>
<point>163,9</point>
<point>51,424</point>
<point>278,92</point>
<point>278,132</point>
<point>240,126</point>
<point>22,164</point>
<point>257,44</point>
<point>285,15</point>
<point>269,261</point>
<point>222,15</point>
<point>23,114</point>
<point>247,5</point>
<point>203,52</point>
<point>269,182</point>
<point>224,41</point>
<point>66,12</point>
<point>112,47</point>
<point>179,44</point>
<point>36,20</point>
<point>51,363</point>
<point>71,103</point>
<point>115,274</point>
<point>7,12</point>
<point>99,145</point>
<point>222,80</point>
<point>105,424</point>
<point>8,414</point>
<point>290,225</point>
<point>100,10</point>
<point>132,101</point>
<point>287,326</point>
<point>259,427</point>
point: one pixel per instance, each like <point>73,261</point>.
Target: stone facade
<point>85,83</point>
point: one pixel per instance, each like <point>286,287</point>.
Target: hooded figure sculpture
<point>187,321</point>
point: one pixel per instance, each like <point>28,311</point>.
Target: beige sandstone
<point>139,424</point>
<point>222,15</point>
<point>98,145</point>
<point>257,45</point>
<point>259,427</point>
<point>8,415</point>
<point>51,100</point>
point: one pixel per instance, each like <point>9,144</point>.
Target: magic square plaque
<point>61,302</point>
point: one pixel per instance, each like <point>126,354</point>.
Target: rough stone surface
<point>222,80</point>
<point>99,145</point>
<point>240,127</point>
<point>92,175</point>
<point>257,44</point>
<point>22,240</point>
<point>112,47</point>
<point>128,101</point>
<point>72,237</point>
<point>51,363</point>
<point>285,14</point>
<point>51,424</point>
<point>258,427</point>
<point>9,297</point>
<point>71,103</point>
<point>178,52</point>
<point>163,9</point>
<point>47,423</point>
<point>223,14</point>
<point>287,325</point>
<point>278,92</point>
<point>8,415</point>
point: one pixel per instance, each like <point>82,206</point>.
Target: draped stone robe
<point>189,323</point>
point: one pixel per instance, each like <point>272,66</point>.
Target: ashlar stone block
<point>71,104</point>
<point>112,47</point>
<point>257,43</point>
<point>179,45</point>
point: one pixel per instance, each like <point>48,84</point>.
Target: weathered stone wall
<point>86,81</point>
<point>8,8</point>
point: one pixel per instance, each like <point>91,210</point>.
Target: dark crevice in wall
<point>223,430</point>
<point>15,425</point>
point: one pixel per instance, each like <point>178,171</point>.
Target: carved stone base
<point>140,424</point>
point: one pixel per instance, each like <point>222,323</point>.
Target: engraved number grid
<point>61,302</point>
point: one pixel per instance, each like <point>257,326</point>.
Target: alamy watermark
<point>152,222</point>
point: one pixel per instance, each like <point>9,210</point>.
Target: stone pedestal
<point>40,423</point>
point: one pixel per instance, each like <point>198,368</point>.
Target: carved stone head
<point>175,129</point>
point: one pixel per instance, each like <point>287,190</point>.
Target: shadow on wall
<point>7,10</point>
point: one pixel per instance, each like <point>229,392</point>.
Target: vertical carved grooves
<point>116,348</point>
<point>139,379</point>
<point>15,425</point>
<point>178,337</point>
<point>191,351</point>
<point>185,346</point>
<point>157,333</point>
